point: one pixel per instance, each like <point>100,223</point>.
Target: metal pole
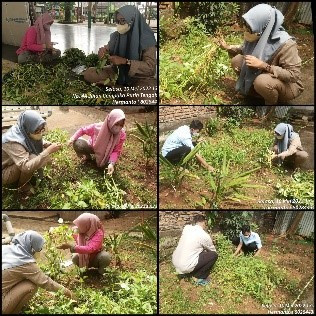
<point>89,15</point>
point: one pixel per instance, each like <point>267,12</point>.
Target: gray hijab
<point>266,21</point>
<point>131,44</point>
<point>288,134</point>
<point>22,249</point>
<point>28,122</point>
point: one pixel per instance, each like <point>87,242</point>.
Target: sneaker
<point>203,282</point>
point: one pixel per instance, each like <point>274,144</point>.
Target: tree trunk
<point>290,13</point>
<point>293,228</point>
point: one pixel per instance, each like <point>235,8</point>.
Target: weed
<point>147,135</point>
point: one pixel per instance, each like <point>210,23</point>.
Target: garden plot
<point>244,178</point>
<point>243,285</point>
<point>68,184</point>
<point>128,286</point>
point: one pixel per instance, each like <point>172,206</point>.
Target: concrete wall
<point>171,117</point>
<point>171,223</point>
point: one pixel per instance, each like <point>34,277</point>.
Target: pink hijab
<point>43,36</point>
<point>87,225</point>
<point>107,139</point>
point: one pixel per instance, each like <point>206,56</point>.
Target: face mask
<point>195,134</point>
<point>116,129</point>
<point>35,254</point>
<point>249,37</point>
<point>36,136</point>
<point>122,29</point>
<point>279,137</point>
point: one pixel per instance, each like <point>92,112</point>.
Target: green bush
<point>240,277</point>
<point>213,15</point>
<point>191,65</point>
<point>299,189</point>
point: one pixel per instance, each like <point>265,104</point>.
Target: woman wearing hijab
<point>89,243</point>
<point>268,64</point>
<point>21,276</point>
<point>36,45</point>
<point>133,49</point>
<point>24,151</point>
<point>106,140</point>
<point>287,146</point>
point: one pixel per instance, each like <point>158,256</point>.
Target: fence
<point>284,220</point>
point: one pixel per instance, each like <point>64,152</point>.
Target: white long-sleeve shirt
<point>180,137</point>
<point>192,242</point>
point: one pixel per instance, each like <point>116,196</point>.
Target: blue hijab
<point>131,44</point>
<point>22,249</point>
<point>266,21</point>
<point>28,122</point>
<point>286,130</point>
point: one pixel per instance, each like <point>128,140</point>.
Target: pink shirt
<point>29,42</point>
<point>93,246</point>
<point>92,131</point>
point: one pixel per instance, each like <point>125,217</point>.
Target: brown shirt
<point>145,68</point>
<point>295,146</point>
<point>15,153</point>
<point>285,64</point>
<point>29,271</point>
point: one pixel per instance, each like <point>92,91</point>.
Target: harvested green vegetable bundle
<point>92,60</point>
<point>73,57</point>
<point>104,61</point>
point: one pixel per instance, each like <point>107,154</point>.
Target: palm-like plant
<point>147,135</point>
<point>176,173</point>
<point>226,186</point>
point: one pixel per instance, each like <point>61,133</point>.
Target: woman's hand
<point>102,50</point>
<point>110,169</point>
<point>70,142</point>
<point>64,246</point>
<point>254,62</point>
<point>53,148</point>
<point>118,60</point>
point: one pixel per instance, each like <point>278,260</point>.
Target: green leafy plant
<point>299,189</point>
<point>113,242</point>
<point>176,173</point>
<point>147,135</point>
<point>225,185</point>
<point>212,126</point>
<point>73,57</point>
<point>54,257</point>
<point>245,276</point>
<point>92,60</point>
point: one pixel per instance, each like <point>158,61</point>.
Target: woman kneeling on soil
<point>89,243</point>
<point>195,254</point>
<point>248,242</point>
<point>21,276</point>
<point>179,144</point>
<point>287,146</point>
<point>24,151</point>
<point>268,64</point>
<point>36,44</point>
<point>106,140</point>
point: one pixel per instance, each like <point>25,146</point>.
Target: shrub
<point>244,276</point>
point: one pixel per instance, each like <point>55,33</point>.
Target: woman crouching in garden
<point>195,254</point>
<point>89,243</point>
<point>21,276</point>
<point>268,64</point>
<point>248,242</point>
<point>24,151</point>
<point>287,146</point>
<point>106,140</point>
